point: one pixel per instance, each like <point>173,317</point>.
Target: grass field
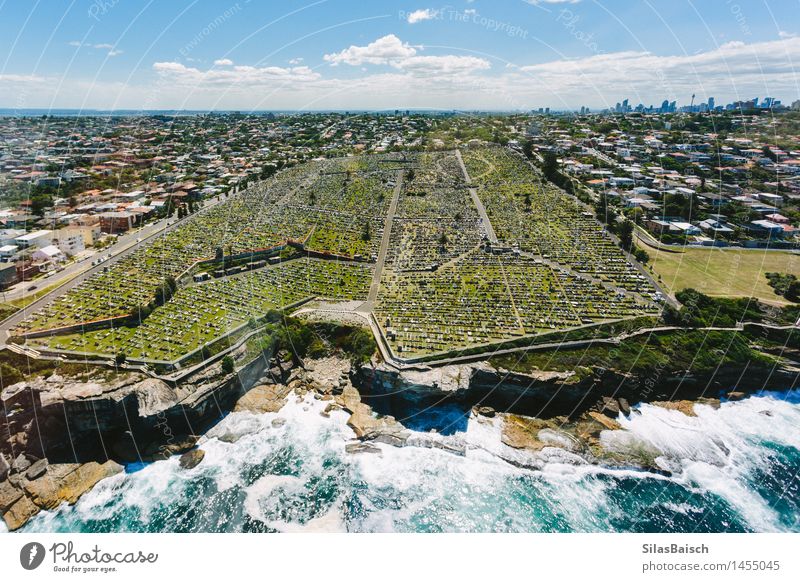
<point>723,272</point>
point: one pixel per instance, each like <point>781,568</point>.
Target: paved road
<point>122,248</point>
<point>387,233</point>
<point>487,225</point>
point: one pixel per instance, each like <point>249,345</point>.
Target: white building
<point>50,253</point>
<point>36,239</point>
<point>69,240</point>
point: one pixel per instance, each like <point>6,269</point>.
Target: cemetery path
<point>477,201</point>
<point>387,234</point>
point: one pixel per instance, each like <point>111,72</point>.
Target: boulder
<point>486,411</point>
<point>263,398</point>
<point>64,485</point>
<point>349,399</point>
<point>362,448</point>
<point>4,467</point>
<point>522,432</point>
<point>278,422</point>
<point>190,459</point>
<point>36,470</point>
<point>19,513</point>
<point>624,407</point>
<point>159,450</point>
<point>608,423</point>
<point>684,406</point>
<point>20,464</point>
<point>609,406</point>
<point>9,495</point>
<point>734,396</point>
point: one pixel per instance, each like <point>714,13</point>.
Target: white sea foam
<point>422,489</point>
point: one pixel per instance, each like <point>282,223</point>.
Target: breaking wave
<point>731,469</point>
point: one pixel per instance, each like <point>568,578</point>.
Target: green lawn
<point>720,272</point>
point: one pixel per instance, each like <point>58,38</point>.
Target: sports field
<point>723,272</point>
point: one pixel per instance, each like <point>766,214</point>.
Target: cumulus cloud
<point>236,75</point>
<point>390,50</point>
<point>442,65</point>
<point>380,52</point>
<point>735,69</point>
<point>223,62</point>
<point>420,15</point>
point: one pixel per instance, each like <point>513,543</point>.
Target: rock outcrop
<point>46,486</point>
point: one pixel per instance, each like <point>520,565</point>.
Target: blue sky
<point>336,54</point>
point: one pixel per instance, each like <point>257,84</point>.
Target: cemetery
<point>444,285</point>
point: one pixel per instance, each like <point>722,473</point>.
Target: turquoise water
<point>733,469</point>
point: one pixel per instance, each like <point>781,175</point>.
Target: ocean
<point>733,469</point>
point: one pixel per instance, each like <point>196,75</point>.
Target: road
<point>487,225</point>
<point>82,270</point>
<point>387,234</point>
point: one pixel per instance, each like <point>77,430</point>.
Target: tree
<point>625,233</point>
<point>642,256</point>
<point>527,149</point>
<point>550,166</point>
<point>793,292</point>
<point>39,202</point>
<point>228,364</point>
<point>120,358</point>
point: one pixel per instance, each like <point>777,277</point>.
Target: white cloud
<point>422,14</point>
<point>380,52</point>
<point>735,69</point>
<point>223,62</point>
<point>232,76</point>
<point>442,65</point>
<point>784,34</point>
<point>410,78</point>
<point>296,61</point>
<point>390,50</point>
<point>112,52</point>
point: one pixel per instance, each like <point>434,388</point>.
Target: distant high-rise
<point>710,103</point>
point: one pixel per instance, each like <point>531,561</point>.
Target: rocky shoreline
<point>64,435</point>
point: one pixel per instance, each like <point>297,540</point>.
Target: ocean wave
<point>294,475</point>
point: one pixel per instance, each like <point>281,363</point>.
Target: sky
<point>251,55</point>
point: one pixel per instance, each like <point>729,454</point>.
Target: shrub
<point>228,364</point>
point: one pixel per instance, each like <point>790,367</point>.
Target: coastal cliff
<point>63,434</point>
